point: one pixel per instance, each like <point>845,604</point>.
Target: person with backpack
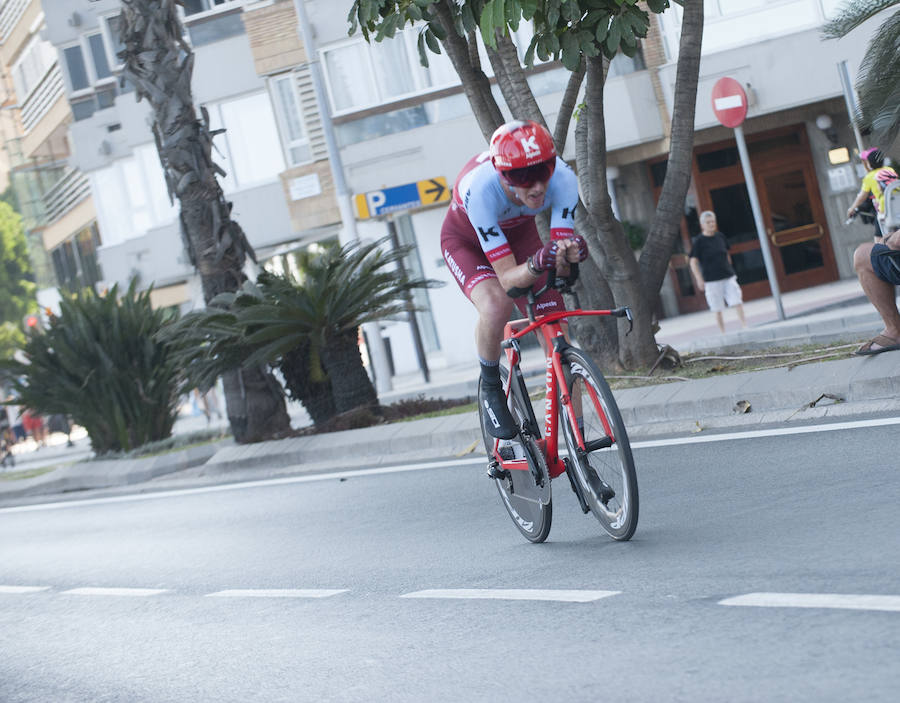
<point>874,184</point>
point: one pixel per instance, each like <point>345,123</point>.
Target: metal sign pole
<point>757,218</point>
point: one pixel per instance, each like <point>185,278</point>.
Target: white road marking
<point>816,600</point>
<point>23,589</point>
<point>425,466</point>
<point>138,592</point>
<point>278,593</point>
<point>568,596</point>
<point>775,432</point>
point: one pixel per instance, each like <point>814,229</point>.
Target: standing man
<point>713,273</point>
<point>491,243</point>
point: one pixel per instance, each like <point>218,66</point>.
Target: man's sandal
<point>878,344</point>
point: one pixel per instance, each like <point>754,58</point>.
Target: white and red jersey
<point>480,194</point>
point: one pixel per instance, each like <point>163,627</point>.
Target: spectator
<point>878,275</point>
<point>877,178</point>
<point>34,425</point>
<point>713,272</point>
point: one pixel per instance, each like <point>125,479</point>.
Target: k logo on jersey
<point>488,233</point>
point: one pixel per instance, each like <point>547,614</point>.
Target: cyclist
<point>491,244</point>
<point>877,177</point>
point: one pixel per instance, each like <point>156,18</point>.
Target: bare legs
<point>881,293</point>
<point>740,313</point>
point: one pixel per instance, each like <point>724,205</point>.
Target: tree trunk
<point>475,83</point>
<point>160,65</point>
<point>316,396</point>
<point>664,229</point>
<point>350,384</point>
<point>567,107</point>
<point>512,79</point>
<point>617,260</point>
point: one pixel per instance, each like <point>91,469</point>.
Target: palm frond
<point>852,14</point>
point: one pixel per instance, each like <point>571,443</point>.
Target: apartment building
<point>55,199</point>
<point>114,148</point>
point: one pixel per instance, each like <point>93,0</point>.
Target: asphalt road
<point>311,589</point>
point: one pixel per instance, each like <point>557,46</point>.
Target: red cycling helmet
<point>523,153</point>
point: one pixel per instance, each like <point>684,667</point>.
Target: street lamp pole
<point>374,340</point>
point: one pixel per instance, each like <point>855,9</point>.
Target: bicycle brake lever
<point>517,292</point>
<point>625,312</point>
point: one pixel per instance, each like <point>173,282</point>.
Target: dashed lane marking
<point>278,593</point>
<point>134,592</point>
<point>23,589</point>
<point>816,600</point>
<point>569,596</point>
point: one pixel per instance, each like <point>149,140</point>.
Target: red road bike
<point>599,464</point>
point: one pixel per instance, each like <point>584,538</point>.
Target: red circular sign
<point>729,102</point>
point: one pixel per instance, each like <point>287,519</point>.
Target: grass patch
<point>175,443</point>
<point>28,473</point>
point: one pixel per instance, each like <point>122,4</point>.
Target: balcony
<point>10,14</point>
<point>42,98</point>
<point>67,192</point>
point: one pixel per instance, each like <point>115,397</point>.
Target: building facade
<point>54,197</point>
<point>114,146</point>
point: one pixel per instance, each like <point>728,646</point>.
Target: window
<point>290,123</point>
<point>248,150</point>
<point>36,60</point>
<point>75,260</point>
<point>87,63</point>
<point>131,197</point>
<point>192,7</point>
<point>362,75</point>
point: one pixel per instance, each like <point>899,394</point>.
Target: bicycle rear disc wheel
<point>614,498</point>
<point>528,504</point>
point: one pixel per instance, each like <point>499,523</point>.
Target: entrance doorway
<point>791,207</point>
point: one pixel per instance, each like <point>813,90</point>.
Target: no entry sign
<point>729,102</point>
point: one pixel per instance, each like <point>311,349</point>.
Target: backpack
<point>891,206</point>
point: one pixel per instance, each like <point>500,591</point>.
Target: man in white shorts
<point>713,272</point>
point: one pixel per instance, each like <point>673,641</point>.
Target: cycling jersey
<point>479,192</point>
<point>874,183</point>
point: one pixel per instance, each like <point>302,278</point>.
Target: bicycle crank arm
<point>595,444</point>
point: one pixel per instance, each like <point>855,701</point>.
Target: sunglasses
<point>528,176</point>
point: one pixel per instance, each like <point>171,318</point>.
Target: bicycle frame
<point>550,327</point>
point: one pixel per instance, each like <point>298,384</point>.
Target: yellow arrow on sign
<point>434,190</point>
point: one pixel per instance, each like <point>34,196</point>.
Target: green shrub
<point>99,363</point>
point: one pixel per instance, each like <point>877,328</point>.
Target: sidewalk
<point>864,385</point>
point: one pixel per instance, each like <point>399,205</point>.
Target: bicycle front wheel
<point>525,494</point>
<point>604,470</point>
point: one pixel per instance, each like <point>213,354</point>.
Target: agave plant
<point>342,289</point>
<point>878,80</point>
<point>100,363</point>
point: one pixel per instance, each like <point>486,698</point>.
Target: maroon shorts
<point>470,266</point>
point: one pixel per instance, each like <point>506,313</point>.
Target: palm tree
<point>159,64</point>
<point>878,80</point>
<point>342,289</point>
<point>308,329</point>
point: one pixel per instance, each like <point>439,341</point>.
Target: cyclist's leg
<point>478,281</point>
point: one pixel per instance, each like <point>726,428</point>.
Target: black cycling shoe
<point>498,422</point>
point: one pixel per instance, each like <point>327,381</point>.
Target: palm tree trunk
<point>300,380</point>
<point>159,64</point>
<point>350,384</point>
